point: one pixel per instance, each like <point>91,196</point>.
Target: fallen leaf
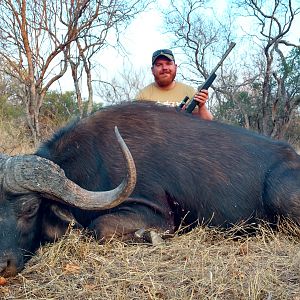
<point>71,268</point>
<point>3,281</point>
<point>89,287</point>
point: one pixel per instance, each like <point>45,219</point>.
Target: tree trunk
<point>90,92</point>
<point>74,69</point>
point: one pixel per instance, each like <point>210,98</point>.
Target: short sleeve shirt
<point>171,97</point>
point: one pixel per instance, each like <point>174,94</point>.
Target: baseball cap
<point>162,52</point>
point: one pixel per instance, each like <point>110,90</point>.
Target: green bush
<point>8,110</point>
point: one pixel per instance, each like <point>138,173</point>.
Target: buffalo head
<point>28,179</point>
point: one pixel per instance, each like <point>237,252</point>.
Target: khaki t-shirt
<point>171,97</point>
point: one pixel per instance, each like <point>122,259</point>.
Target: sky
<point>144,36</point>
<point>140,40</point>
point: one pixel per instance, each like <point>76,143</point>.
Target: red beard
<point>164,80</point>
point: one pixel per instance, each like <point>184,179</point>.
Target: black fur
<point>189,171</point>
<point>190,168</point>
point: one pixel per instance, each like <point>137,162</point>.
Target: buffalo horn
<point>24,173</point>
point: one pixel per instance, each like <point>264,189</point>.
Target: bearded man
<point>166,90</point>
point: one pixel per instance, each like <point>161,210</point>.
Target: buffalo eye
<point>26,206</point>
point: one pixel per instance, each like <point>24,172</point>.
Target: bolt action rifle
<point>207,83</point>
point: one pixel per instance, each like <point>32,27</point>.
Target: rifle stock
<point>182,103</point>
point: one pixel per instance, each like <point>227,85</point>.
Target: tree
<point>122,87</point>
<point>35,46</point>
<point>113,16</point>
<point>274,22</point>
<point>254,86</point>
<point>290,71</point>
<point>202,41</point>
<point>37,40</point>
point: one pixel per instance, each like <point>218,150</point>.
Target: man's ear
<point>152,70</point>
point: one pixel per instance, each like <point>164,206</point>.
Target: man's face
<point>164,71</point>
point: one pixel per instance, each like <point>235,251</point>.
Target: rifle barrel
<point>210,79</point>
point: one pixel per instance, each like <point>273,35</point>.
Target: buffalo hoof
<point>149,236</point>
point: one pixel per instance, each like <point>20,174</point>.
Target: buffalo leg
<point>127,223</point>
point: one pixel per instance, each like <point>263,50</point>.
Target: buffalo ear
<point>56,221</point>
<point>63,214</point>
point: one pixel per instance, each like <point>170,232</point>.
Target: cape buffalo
<point>185,171</point>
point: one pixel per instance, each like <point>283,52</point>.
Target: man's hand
<point>202,111</point>
<point>201,97</point>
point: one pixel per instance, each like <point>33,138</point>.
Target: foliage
<point>290,70</point>
<point>228,110</point>
<point>292,135</point>
<point>60,108</point>
<point>113,18</point>
<point>8,110</point>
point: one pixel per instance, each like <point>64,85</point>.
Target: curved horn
<point>3,159</point>
<point>25,173</point>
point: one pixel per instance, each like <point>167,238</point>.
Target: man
<point>166,90</point>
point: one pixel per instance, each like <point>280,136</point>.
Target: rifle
<point>208,82</point>
<point>182,103</point>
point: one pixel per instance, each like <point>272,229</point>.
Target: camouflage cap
<point>162,52</point>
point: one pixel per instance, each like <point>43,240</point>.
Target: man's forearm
<point>203,113</point>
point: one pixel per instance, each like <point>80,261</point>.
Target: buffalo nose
<point>3,266</point>
<point>8,266</point>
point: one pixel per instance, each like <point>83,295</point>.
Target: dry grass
<point>14,140</point>
<point>203,264</point>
